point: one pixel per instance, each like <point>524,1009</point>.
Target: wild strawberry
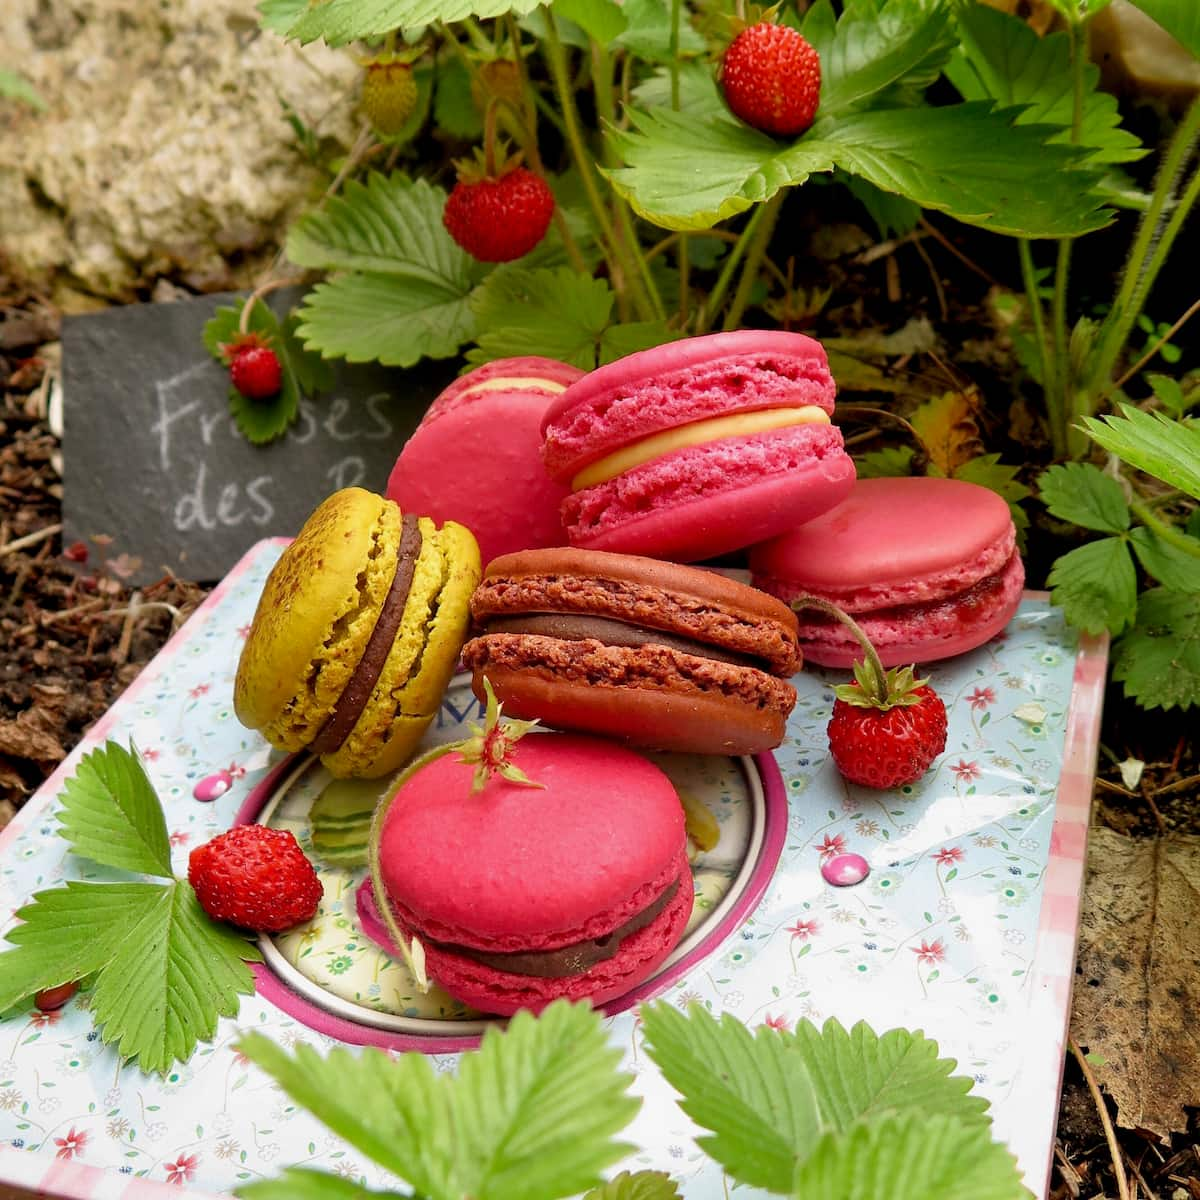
<point>772,79</point>
<point>887,726</point>
<point>51,999</point>
<point>499,78</point>
<point>496,218</point>
<point>254,368</point>
<point>255,877</point>
<point>389,95</point>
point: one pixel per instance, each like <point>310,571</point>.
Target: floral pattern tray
<point>965,927</point>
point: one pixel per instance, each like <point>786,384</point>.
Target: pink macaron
<point>928,567</point>
<point>475,457</point>
<point>579,887</point>
<point>699,447</point>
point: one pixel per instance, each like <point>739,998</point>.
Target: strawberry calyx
<point>245,340</point>
<point>488,166</point>
<point>492,743</point>
<point>404,57</point>
<point>752,14</point>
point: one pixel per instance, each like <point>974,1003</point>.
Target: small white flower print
<point>49,1104</point>
<point>269,1152</point>
<point>1014,937</point>
<point>155,1130</point>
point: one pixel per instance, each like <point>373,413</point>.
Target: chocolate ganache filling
<point>357,692</point>
<point>567,960</point>
<point>574,628</point>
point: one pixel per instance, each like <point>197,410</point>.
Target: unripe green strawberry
<point>498,78</point>
<point>389,95</point>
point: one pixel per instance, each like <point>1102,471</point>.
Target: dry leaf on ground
<point>1137,984</point>
<point>948,426</point>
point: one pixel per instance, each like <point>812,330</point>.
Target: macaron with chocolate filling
<point>553,867</point>
<point>357,633</point>
<point>652,653</point>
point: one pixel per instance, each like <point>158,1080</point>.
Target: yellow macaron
<point>357,633</point>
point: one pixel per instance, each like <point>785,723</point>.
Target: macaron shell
<point>709,500</point>
<point>678,383</point>
<point>431,634</point>
<point>493,991</point>
<point>315,616</point>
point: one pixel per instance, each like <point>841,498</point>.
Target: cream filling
<point>504,382</point>
<point>695,434</point>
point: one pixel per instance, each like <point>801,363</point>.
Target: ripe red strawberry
<point>253,366</point>
<point>885,741</point>
<point>772,79</point>
<point>497,219</point>
<point>255,877</point>
<point>389,95</point>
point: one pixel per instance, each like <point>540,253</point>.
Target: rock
<point>164,147</point>
<point>1137,56</point>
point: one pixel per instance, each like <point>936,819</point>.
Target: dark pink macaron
<point>519,895</point>
<point>475,458</point>
<point>698,447</point>
<point>928,567</point>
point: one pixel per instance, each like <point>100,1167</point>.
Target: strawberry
<point>255,877</point>
<point>389,95</point>
<point>887,726</point>
<point>254,368</point>
<point>772,79</point>
<point>498,217</point>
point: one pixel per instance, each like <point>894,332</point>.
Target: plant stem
<point>271,285</point>
<point>1055,416</point>
<point>682,257</point>
<point>875,667</point>
<point>755,253</point>
<point>1110,1134</point>
<point>1164,529</point>
<point>673,45</point>
<point>717,296</point>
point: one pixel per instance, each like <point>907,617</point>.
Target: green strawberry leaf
<point>1180,18</point>
<point>343,21</point>
<point>602,20</point>
<point>894,215</point>
<point>647,34</point>
<point>886,463</point>
<point>111,814</point>
<point>1082,494</point>
<point>698,92</point>
<point>901,44</point>
<point>632,336</point>
<point>1152,442</point>
<point>913,1156</point>
<point>968,160</point>
<point>453,106</point>
<point>1003,59</point>
<point>1158,660</point>
<point>280,15</point>
<point>1096,586</point>
<point>638,1185</point>
<point>1171,566</point>
<point>819,26</point>
<point>988,471</point>
<point>1170,392</point>
<point>305,1183</point>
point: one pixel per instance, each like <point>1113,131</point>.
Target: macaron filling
<point>576,628</point>
<point>350,704</point>
<point>568,960</point>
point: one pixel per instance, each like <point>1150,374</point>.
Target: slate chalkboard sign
<point>152,458</point>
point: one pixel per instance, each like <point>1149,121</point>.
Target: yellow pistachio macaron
<point>357,633</point>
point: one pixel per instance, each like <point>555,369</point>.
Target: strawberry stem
<point>878,676</point>
<point>272,285</point>
<point>490,117</point>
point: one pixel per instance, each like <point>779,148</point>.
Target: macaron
<point>653,653</point>
<point>357,632</point>
<point>928,567</point>
<point>475,458</point>
<point>576,887</point>
<point>698,447</point>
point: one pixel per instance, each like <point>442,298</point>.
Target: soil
<point>75,634</point>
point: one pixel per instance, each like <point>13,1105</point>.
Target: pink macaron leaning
<point>928,567</point>
<point>475,457</point>
<point>572,883</point>
<point>699,447</point>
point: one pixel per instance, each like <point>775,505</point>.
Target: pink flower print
<point>180,1171</point>
<point>199,690</point>
<point>178,839</point>
<point>929,953</point>
<point>804,929</point>
<point>981,697</point>
<point>41,1019</point>
<point>243,631</point>
<point>948,857</point>
<point>779,1022</point>
<point>234,771</point>
<point>831,846</point>
<point>70,1146</point>
<point>967,772</point>
<point>150,755</point>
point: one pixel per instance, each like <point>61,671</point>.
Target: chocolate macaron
<point>652,653</point>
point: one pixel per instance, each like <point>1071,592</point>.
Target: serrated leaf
<point>1009,63</point>
<point>1082,494</point>
<point>602,20</point>
<point>262,421</point>
<point>698,94</point>
<point>68,933</point>
<point>819,26</point>
<point>912,1157</point>
<point>632,336</point>
<point>304,1183</point>
<point>1152,442</point>
<point>1158,660</point>
<point>280,15</point>
<point>894,215</point>
<point>453,107</point>
<point>171,976</point>
<point>750,1090</point>
<point>988,471</point>
<point>1096,586</point>
<point>1170,392</point>
<point>1180,18</point>
<point>1172,566</point>
<point>342,21</point>
<point>111,814</point>
<point>888,463</point>
<point>685,172</point>
<point>949,429</point>
<point>636,1185</point>
<point>16,87</point>
<point>538,1108</point>
<point>875,48</point>
<point>648,33</point>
